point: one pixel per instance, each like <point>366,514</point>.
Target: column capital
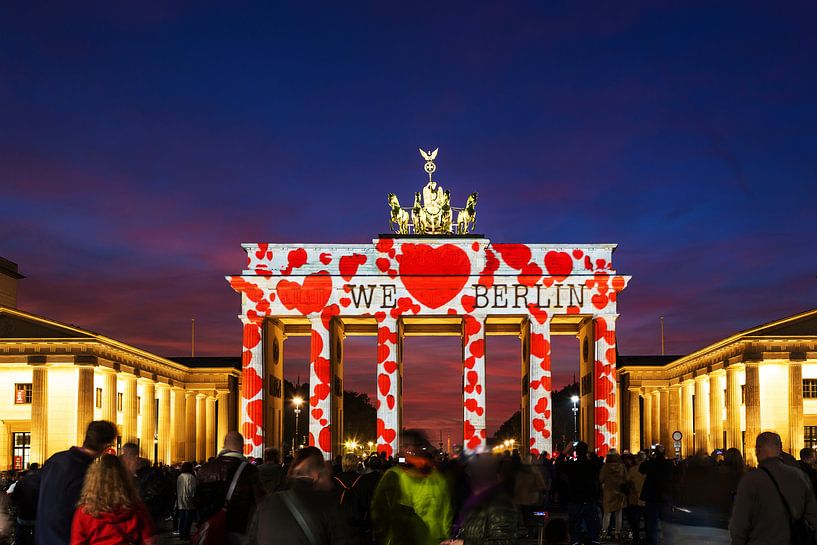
<point>717,373</point>
<point>634,389</point>
<point>161,386</point>
<point>255,319</point>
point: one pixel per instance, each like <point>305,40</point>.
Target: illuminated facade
<point>725,394</point>
<point>431,277</point>
<point>55,378</point>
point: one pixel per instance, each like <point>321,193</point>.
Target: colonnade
<point>171,423</point>
<point>716,408</point>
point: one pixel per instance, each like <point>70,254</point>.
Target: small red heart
<point>558,264</point>
<point>345,302</point>
<point>317,413</point>
<point>349,264</point>
<point>383,383</point>
<point>389,435</point>
<point>390,401</point>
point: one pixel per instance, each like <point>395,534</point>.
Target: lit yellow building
<point>725,394</point>
<point>55,378</point>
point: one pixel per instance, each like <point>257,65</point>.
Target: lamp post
<point>297,401</point>
<point>575,400</point>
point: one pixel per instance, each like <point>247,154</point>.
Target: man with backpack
<point>769,497</point>
<point>355,491</point>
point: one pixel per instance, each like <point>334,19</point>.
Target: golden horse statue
<point>399,217</point>
<point>467,217</point>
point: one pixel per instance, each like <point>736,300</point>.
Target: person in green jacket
<point>412,503</point>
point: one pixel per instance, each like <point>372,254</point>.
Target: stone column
<point>109,392</point>
<point>796,429</point>
<point>85,400</point>
<point>666,429</point>
<point>701,414</point>
<point>473,380</point>
<point>251,417</point>
<point>201,427</point>
<point>224,419</point>
<point>178,435</point>
<point>39,414</point>
<point>337,334</point>
<point>635,419</point>
<point>715,410</point>
<point>191,453</point>
<point>148,431</point>
<point>656,416</point>
<point>320,388</point>
<point>130,410</point>
<point>388,386</point>
<point>674,423</point>
<point>274,338</point>
<point>734,436</point>
<point>687,422</point>
<point>211,427</point>
<point>752,389</point>
<point>648,440</point>
<point>164,424</point>
<point>605,418</point>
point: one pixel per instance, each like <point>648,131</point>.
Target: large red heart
<point>559,264</point>
<point>311,297</point>
<point>434,276</point>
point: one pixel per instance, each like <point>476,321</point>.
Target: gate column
<point>473,395</point>
<point>540,421</point>
<point>251,419</point>
<point>323,397</point>
<point>389,385</point>
<point>604,384</point>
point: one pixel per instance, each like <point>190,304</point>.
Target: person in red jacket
<point>110,511</point>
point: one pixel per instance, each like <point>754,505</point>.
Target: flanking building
<point>56,377</point>
<point>725,394</point>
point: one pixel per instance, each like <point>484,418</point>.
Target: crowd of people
<point>86,495</point>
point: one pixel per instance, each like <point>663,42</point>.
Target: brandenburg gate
<point>430,276</point>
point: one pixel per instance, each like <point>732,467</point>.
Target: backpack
<point>350,503</point>
<point>213,531</point>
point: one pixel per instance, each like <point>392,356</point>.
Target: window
<point>21,449</point>
<point>810,388</point>
<point>98,398</point>
<point>22,394</point>
<point>138,405</point>
<point>119,401</point>
<point>743,394</point>
<point>810,436</point>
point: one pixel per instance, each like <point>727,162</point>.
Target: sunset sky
<point>142,143</point>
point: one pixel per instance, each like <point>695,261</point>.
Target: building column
<point>130,410</point>
<point>648,439</point>
<point>39,413</point>
<point>178,435</point>
<point>701,414</point>
<point>201,427</point>
<point>251,417</point>
<point>320,388</point>
<point>734,436</point>
<point>85,400</point>
<point>656,416</point>
<point>715,410</point>
<point>164,438</point>
<point>109,396</point>
<point>604,384</point>
<point>210,433</point>
<point>274,397</point>
<point>223,400</point>
<point>473,381</point>
<point>674,417</point>
<point>190,452</point>
<point>796,424</point>
<point>635,419</point>
<point>389,388</point>
<point>337,334</point>
<point>752,389</point>
<point>687,422</point>
<point>666,430</point>
<point>147,437</point>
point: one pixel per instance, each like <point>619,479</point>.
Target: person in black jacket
<point>24,499</point>
<point>155,486</point>
<point>582,475</point>
<point>657,492</point>
<point>214,479</point>
<point>61,484</point>
<point>309,494</point>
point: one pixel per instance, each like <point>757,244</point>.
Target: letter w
<point>361,294</point>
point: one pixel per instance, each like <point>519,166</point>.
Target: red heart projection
<point>434,276</point>
<point>311,297</point>
<point>559,264</point>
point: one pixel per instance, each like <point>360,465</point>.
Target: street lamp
<point>297,401</point>
<point>575,400</point>
<point>371,445</point>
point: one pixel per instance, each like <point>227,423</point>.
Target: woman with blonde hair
<point>110,511</point>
